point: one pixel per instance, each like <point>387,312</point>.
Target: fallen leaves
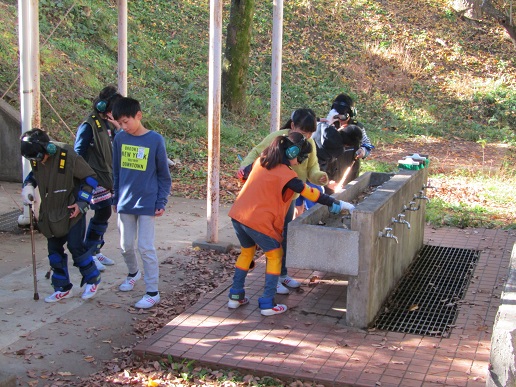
<point>314,280</point>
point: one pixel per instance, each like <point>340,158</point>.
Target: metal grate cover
<point>9,221</point>
<point>425,300</point>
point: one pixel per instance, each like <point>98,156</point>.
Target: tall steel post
<point>214,98</point>
<point>277,49</point>
<point>122,47</point>
<point>26,91</point>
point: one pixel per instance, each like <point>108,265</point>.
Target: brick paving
<point>312,342</point>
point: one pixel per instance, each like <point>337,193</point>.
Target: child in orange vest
<point>259,211</point>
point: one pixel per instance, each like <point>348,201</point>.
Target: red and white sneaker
<point>280,289</point>
<point>104,260</point>
<point>89,291</point>
<point>58,296</point>
<point>129,282</point>
<point>289,281</point>
<point>233,304</point>
<point>147,301</point>
<point>100,266</point>
<point>278,309</point>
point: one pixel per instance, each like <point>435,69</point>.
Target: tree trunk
<point>477,9</point>
<point>468,8</point>
<point>504,20</point>
<point>236,57</point>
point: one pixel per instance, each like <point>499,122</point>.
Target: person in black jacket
<point>331,143</point>
<point>94,143</point>
<point>341,115</point>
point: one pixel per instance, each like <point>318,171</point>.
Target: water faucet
<point>401,219</point>
<point>428,185</point>
<point>387,233</point>
<point>421,196</point>
<point>411,207</point>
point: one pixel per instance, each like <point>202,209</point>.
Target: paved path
<point>75,336</point>
<point>300,343</point>
<point>312,342</point>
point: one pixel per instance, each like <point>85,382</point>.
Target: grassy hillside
<point>413,67</point>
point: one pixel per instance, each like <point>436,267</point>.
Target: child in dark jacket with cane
<point>66,183</point>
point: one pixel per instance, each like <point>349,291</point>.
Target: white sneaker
<point>289,281</point>
<point>58,296</point>
<point>147,301</point>
<point>278,309</point>
<point>105,260</point>
<point>89,291</point>
<point>99,265</point>
<point>129,282</point>
<point>233,304</point>
<point>280,289</point>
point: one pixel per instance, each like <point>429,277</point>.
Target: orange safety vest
<point>261,204</point>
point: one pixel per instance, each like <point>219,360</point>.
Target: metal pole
<point>122,47</point>
<point>277,48</point>
<point>214,97</point>
<point>35,62</point>
<point>24,22</point>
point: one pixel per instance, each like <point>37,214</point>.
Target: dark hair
<point>109,94</point>
<point>35,135</point>
<point>274,154</point>
<point>303,119</point>
<point>351,136</point>
<point>125,107</point>
<point>35,144</point>
<point>343,104</point>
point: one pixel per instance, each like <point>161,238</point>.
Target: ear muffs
<point>102,104</point>
<point>51,148</point>
<point>293,150</point>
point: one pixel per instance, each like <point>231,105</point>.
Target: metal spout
<point>401,219</point>
<point>387,233</point>
<point>411,207</point>
<point>428,185</point>
<point>421,196</point>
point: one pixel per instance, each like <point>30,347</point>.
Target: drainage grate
<point>9,221</point>
<point>425,301</point>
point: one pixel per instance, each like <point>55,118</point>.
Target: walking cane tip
<point>36,296</point>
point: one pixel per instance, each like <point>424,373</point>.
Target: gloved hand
<point>83,206</point>
<point>335,208</point>
<point>27,194</point>
<point>346,206</point>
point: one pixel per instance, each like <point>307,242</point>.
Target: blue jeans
<point>249,238</point>
<point>81,256</point>
<point>98,225</point>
